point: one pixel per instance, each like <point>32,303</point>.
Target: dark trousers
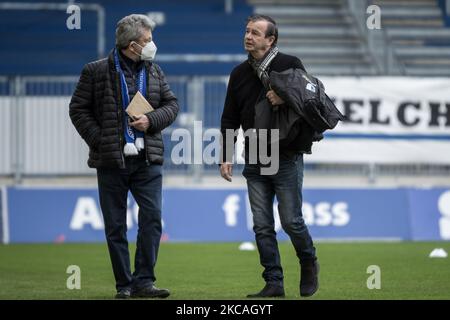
<point>286,184</point>
<point>145,183</point>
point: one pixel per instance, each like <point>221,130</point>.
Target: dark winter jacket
<point>245,90</point>
<point>96,112</point>
<point>305,97</point>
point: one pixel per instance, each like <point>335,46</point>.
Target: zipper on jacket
<point>148,95</point>
<point>119,114</point>
<point>145,150</point>
<point>121,145</point>
<point>147,162</point>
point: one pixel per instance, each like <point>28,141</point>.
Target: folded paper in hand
<point>139,105</point>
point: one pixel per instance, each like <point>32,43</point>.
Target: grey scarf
<point>260,66</point>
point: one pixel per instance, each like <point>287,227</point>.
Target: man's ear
<point>273,40</point>
<point>132,48</point>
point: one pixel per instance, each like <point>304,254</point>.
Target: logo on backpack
<point>311,87</point>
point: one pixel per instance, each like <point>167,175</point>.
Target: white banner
<point>392,105</point>
<point>389,120</point>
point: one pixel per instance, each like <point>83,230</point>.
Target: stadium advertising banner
<point>74,215</point>
<point>389,120</point>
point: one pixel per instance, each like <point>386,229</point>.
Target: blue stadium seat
<point>40,43</point>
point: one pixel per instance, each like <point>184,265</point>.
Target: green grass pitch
<point>221,271</point>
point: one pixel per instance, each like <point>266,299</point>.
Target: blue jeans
<point>286,184</point>
<point>145,183</point>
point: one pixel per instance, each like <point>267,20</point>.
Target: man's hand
<point>274,99</point>
<point>140,122</point>
<point>226,170</point>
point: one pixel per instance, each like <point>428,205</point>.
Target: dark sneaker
<point>123,294</point>
<point>268,291</point>
<point>149,292</point>
<point>309,278</point>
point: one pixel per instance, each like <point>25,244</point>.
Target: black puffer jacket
<point>96,112</point>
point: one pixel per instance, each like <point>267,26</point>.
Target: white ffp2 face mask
<point>149,51</point>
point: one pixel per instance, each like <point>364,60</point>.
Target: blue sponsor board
<point>429,213</point>
<point>2,215</point>
<point>45,215</point>
<point>74,215</point>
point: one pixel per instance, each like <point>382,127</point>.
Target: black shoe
<point>309,278</point>
<point>268,291</point>
<point>149,292</point>
<point>123,294</point>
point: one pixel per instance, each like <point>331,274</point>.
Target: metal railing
<point>376,41</point>
<point>38,140</point>
<point>42,6</point>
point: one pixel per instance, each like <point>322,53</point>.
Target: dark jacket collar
<point>130,64</point>
<point>123,63</point>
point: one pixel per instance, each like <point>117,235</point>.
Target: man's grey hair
<point>131,28</point>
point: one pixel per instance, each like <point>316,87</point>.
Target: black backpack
<point>306,95</point>
<point>320,111</point>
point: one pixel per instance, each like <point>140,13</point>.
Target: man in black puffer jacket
<point>127,153</point>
